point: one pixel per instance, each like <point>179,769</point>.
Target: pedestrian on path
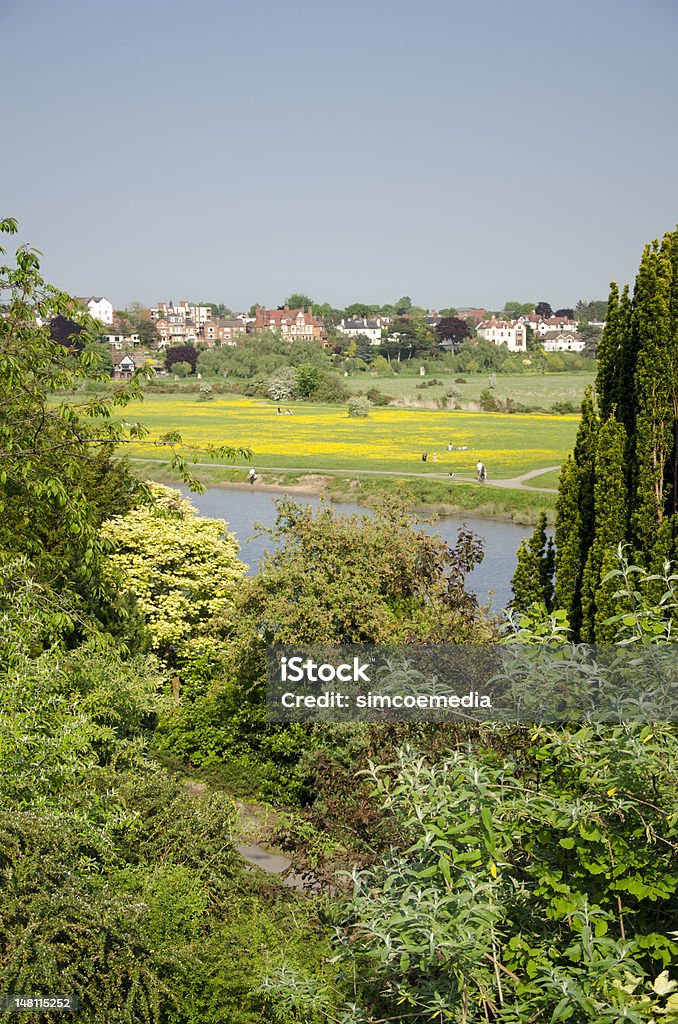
<point>482,472</point>
<point>252,475</point>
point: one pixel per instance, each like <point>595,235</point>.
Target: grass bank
<point>442,496</point>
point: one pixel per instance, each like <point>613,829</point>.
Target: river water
<point>490,581</point>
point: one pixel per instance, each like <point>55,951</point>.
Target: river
<point>490,581</point>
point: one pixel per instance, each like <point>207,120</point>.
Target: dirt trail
<point>251,839</point>
<point>318,475</point>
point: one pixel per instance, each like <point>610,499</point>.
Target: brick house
<point>293,324</point>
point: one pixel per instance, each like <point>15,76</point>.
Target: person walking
<point>424,457</point>
<point>482,472</point>
<point>252,475</point>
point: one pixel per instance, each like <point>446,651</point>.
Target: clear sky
<point>463,154</point>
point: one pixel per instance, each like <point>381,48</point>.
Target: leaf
<point>663,985</point>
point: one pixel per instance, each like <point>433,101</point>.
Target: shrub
<point>331,389</point>
<point>359,407</point>
<point>488,403</point>
<point>377,397</point>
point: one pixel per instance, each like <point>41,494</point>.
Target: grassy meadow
<point>390,440</point>
<point>533,390</point>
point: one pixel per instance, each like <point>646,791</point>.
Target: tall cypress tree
<point>656,387</point>
<point>610,514</point>
<point>533,579</point>
<point>575,515</point>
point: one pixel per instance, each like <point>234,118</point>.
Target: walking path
<point>517,482</point>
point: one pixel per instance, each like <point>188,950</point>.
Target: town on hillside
<point>143,336</point>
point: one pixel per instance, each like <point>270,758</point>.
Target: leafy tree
<point>181,568</point>
<point>452,328</point>
<point>567,313</point>
<point>182,354</point>
<point>361,579</point>
<point>360,311</point>
<point>331,389</point>
<point>148,332</point>
<point>543,309</point>
<point>594,310</point>
<point>49,445</point>
<point>219,309</point>
<point>532,581</point>
<point>297,300</point>
<point>403,305</point>
<point>515,309</point>
<point>67,332</point>
<point>359,407</point>
<point>282,385</point>
<point>181,369</point>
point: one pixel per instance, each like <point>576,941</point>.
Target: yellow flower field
<point>318,437</point>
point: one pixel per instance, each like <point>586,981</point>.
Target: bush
<point>331,389</point>
<point>564,407</point>
<point>488,403</point>
<point>377,397</point>
<point>527,882</point>
<point>359,407</point>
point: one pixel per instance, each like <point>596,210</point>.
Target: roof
<point>356,325</point>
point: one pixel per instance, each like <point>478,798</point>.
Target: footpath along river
<point>241,508</point>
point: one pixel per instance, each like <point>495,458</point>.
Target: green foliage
<point>181,369</point>
<point>359,407</point>
<point>622,486</point>
<point>361,579</point>
<point>298,300</point>
<point>182,570</point>
<point>524,889</point>
<point>532,581</point>
<point>282,385</point>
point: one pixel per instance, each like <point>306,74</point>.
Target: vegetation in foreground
<point>503,874</point>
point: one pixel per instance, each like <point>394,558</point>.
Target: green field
<point>391,440</point>
<point>533,390</point>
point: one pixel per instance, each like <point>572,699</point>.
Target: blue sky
<point>464,154</point>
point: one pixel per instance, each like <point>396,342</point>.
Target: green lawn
<point>538,390</point>
<point>546,479</point>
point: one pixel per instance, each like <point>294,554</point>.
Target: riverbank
<point>493,500</point>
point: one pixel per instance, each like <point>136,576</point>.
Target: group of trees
<point>619,488</point>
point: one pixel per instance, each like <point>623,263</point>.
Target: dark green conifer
<point>526,581</point>
<point>533,579</point>
<point>610,514</point>
<point>656,388</point>
<point>568,539</point>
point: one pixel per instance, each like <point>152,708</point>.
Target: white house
<point>98,307</point>
<point>369,328</point>
<point>120,341</point>
<point>562,341</point>
<point>511,333</point>
<point>125,368</point>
